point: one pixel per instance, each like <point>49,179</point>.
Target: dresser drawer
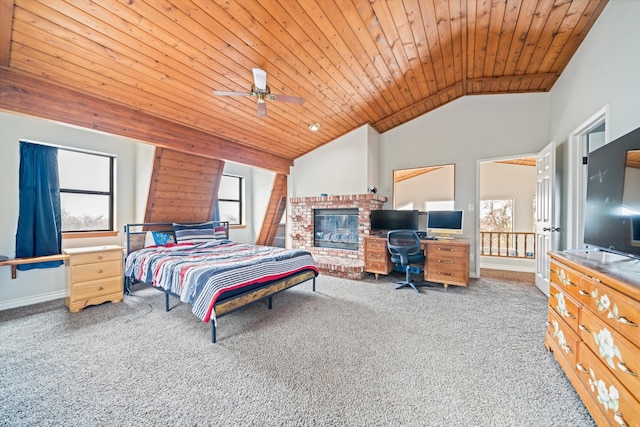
<point>566,278</point>
<point>564,305</point>
<point>622,357</point>
<point>96,288</point>
<point>615,309</point>
<point>94,257</point>
<point>609,395</point>
<point>563,337</point>
<point>86,272</point>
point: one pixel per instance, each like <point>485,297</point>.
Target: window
<point>230,199</point>
<point>496,215</point>
<point>86,191</point>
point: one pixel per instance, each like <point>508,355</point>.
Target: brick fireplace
<point>346,263</point>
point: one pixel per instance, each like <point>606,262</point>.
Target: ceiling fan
<point>262,92</point>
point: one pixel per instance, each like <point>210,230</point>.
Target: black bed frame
<point>136,232</point>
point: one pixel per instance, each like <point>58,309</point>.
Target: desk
<point>446,261</point>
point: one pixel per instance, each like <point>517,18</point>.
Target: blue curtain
<point>39,221</point>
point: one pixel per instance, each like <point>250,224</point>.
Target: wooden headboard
<point>135,234</point>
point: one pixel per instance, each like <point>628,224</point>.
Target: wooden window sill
<point>87,234</point>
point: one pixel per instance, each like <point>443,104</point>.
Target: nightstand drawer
<point>102,270</point>
<point>96,288</point>
<point>96,257</point>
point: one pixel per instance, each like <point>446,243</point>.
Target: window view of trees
<point>496,215</point>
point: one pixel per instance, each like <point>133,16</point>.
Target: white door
<point>547,231</point>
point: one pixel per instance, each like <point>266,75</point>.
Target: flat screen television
<point>444,223</point>
<point>612,212</point>
<point>388,219</point>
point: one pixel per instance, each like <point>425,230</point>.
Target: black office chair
<point>404,247</point>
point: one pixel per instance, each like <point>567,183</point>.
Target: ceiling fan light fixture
<point>313,127</point>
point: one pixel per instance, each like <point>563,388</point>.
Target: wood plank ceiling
<point>354,61</point>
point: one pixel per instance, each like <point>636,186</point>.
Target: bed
<point>198,264</point>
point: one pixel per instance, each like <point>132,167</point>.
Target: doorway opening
<point>589,136</point>
<point>506,218</point>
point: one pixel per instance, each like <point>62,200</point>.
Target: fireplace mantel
<point>333,261</point>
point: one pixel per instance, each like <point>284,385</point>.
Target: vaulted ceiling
<point>115,65</point>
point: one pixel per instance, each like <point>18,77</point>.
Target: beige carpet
<point>351,354</point>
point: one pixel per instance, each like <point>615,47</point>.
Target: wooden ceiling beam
<point>383,124</point>
<point>20,93</point>
<point>6,22</point>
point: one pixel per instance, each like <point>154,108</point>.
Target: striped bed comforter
<point>200,273</point>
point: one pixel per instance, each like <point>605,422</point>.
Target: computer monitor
<point>444,223</point>
<point>388,219</point>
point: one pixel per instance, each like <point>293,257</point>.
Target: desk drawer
<point>446,252</point>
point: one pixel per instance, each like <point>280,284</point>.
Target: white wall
<point>343,166</point>
<point>603,72</point>
<point>461,132</point>
<point>44,284</point>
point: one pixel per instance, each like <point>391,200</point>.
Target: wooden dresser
<point>594,312</point>
<point>94,276</point>
<point>446,261</point>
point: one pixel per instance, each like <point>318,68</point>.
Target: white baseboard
<point>21,302</point>
<point>518,268</point>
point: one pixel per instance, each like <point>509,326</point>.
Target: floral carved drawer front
<point>565,305</point>
<point>607,347</point>
<point>609,397</point>
<point>617,311</point>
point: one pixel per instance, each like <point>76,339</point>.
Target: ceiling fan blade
<point>260,79</point>
<point>225,93</point>
<point>287,98</point>
<point>262,109</point>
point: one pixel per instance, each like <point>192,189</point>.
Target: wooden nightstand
<point>94,276</point>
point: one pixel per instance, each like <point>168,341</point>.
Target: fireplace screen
<point>336,228</point>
